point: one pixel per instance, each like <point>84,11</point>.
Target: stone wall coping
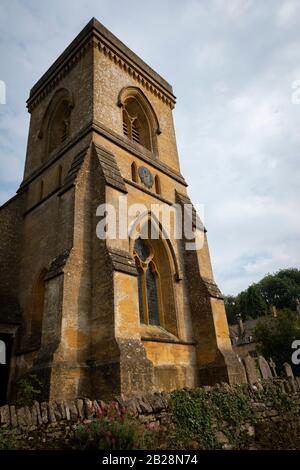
<point>80,409</point>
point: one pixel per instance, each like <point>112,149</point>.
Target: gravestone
<point>290,376</point>
<point>264,368</point>
<point>273,367</point>
<point>250,368</point>
<point>288,370</point>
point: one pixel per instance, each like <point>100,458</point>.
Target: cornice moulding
<point>97,36</point>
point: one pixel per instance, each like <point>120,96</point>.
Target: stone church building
<point>93,317</point>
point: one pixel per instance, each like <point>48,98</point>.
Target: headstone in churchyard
<point>243,367</point>
<point>250,368</point>
<point>288,370</point>
<point>273,367</point>
<point>264,368</point>
<point>290,376</point>
<point>293,383</point>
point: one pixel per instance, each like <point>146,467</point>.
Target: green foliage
<point>277,399</point>
<point>274,337</point>
<point>7,440</point>
<point>281,289</point>
<point>28,390</point>
<point>199,414</point>
<point>231,309</point>
<point>113,429</point>
<point>251,303</point>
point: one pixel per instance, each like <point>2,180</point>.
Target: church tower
<point>100,316</point>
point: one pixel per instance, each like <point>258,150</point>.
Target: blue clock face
<point>146,177</point>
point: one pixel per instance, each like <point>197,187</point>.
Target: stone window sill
<point>160,335</point>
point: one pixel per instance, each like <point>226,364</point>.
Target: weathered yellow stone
<point>80,329</point>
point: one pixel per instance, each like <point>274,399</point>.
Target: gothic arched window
<point>139,120</point>
<point>59,126</point>
<point>149,289</point>
<point>55,126</point>
<point>135,124</point>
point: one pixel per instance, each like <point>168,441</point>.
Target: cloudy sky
<point>232,64</point>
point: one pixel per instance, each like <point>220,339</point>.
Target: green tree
<point>250,303</point>
<point>281,289</point>
<point>291,273</point>
<point>231,309</point>
<point>274,337</point>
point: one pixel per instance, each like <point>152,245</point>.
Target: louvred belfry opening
<point>135,124</point>
<point>59,126</point>
<point>135,132</point>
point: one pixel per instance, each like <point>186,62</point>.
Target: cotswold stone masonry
<point>53,424</point>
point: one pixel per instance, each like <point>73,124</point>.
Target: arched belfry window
<point>59,128</point>
<point>126,123</point>
<point>135,124</point>
<point>140,123</point>
<point>150,305</point>
<point>56,122</point>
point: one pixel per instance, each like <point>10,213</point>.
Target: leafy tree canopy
<point>274,337</point>
<point>281,289</point>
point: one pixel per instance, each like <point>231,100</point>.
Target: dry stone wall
<point>53,424</point>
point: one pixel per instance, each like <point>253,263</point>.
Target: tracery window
<point>55,127</point>
<point>149,288</point>
<point>59,126</point>
<point>139,120</point>
<point>135,124</point>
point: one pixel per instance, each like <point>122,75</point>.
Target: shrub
<point>273,394</point>
<point>28,390</point>
<point>112,429</point>
<point>7,440</point>
<point>274,338</point>
<point>200,414</point>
